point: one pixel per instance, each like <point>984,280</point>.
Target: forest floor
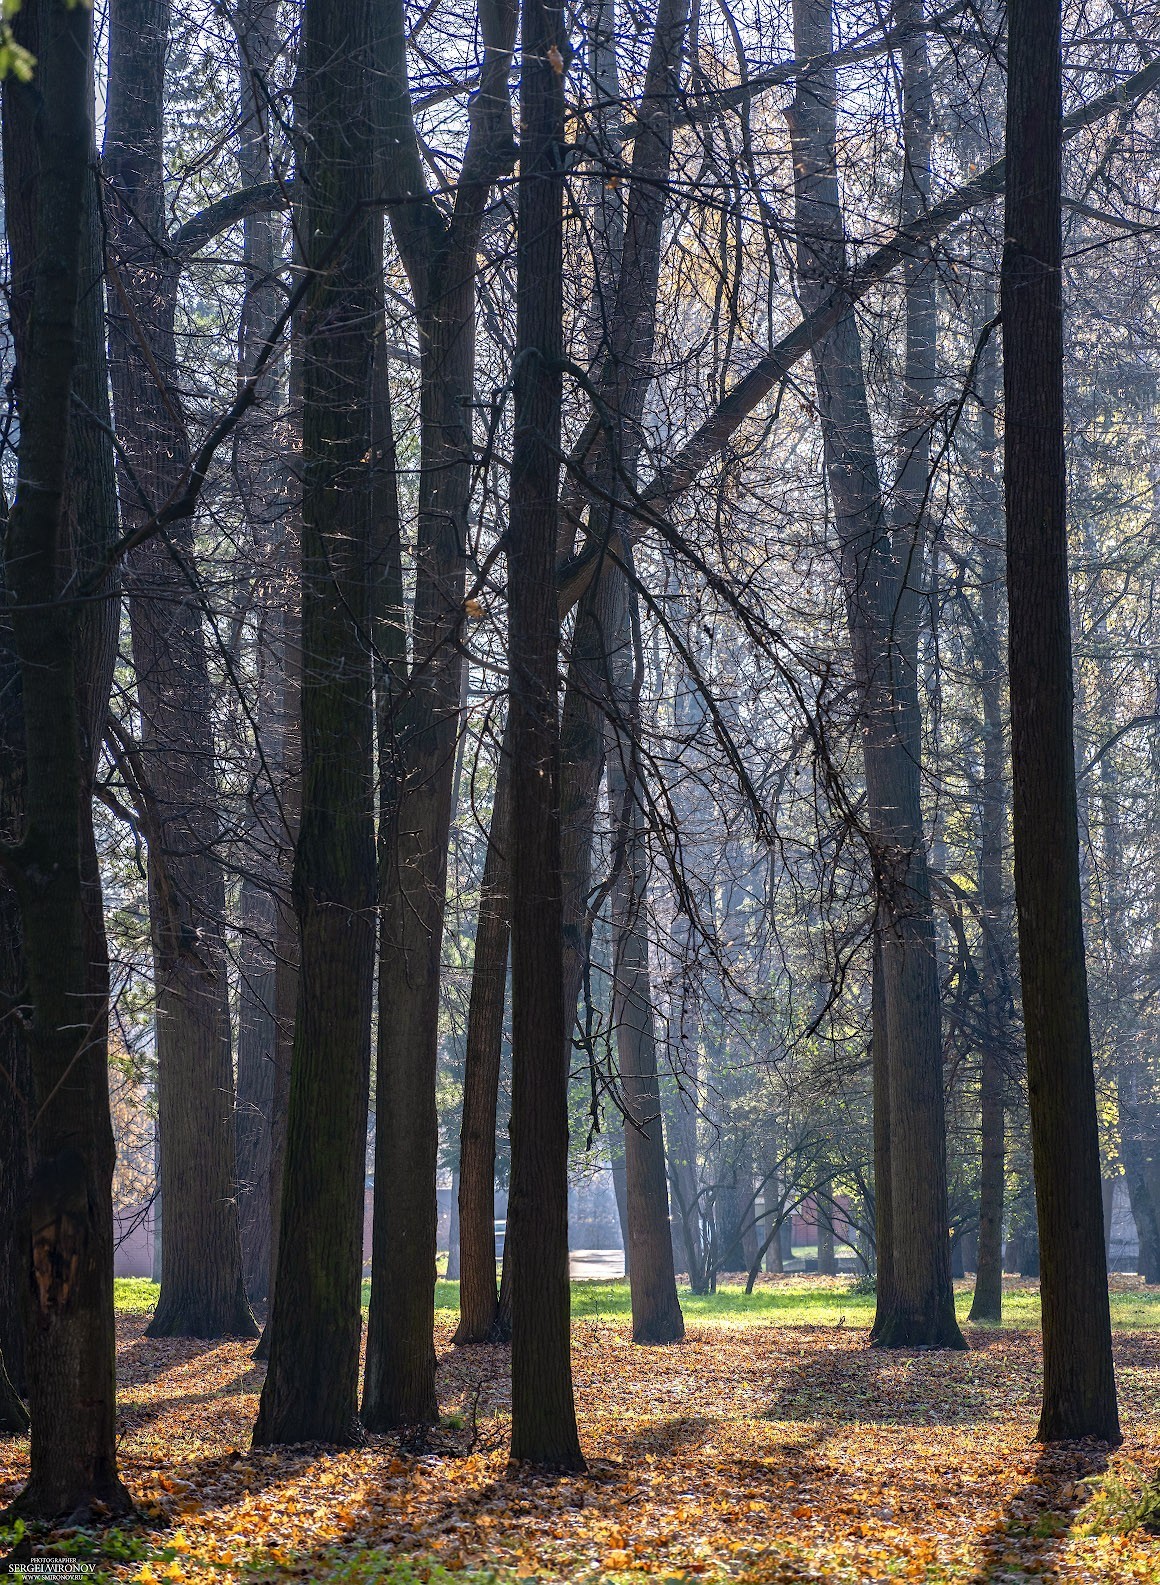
<point>772,1446</point>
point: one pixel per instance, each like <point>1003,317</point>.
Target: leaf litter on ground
<point>766,1448</point>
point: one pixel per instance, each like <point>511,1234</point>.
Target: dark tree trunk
<point>202,1290</point>
<point>311,1388</point>
<point>882,599</point>
<point>69,1258</point>
<point>1079,1388</point>
<point>543,1411</point>
<point>987,1304</point>
<point>417,745</point>
<point>478,1294</point>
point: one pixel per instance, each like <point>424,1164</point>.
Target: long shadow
<point>146,1359</point>
<point>881,1388</point>
<point>1039,1513</point>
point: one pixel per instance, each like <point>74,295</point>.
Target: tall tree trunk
<point>478,1294</point>
<point>418,746</point>
<point>987,1304</point>
<point>259,469</point>
<point>202,1289</point>
<point>543,1411</point>
<point>69,1255</point>
<point>1079,1389</point>
<point>311,1388</point>
<point>882,617</point>
<point>656,1310</point>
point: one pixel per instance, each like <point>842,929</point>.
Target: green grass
<point>798,1301</point>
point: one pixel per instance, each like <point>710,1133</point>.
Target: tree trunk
<point>883,616</point>
<point>656,1310</point>
<point>1079,1390</point>
<point>826,1265</point>
<point>478,1294</point>
<point>453,1260</point>
<point>987,1304</point>
<point>69,1259</point>
<point>311,1388</point>
<point>543,1411</point>
<point>884,1301</point>
<point>259,469</point>
<point>417,741</point>
<point>202,1290</point>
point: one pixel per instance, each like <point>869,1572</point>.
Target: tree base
<point>175,1317</point>
<point>498,1331</point>
<point>87,1507</point>
<point>987,1314</point>
<point>566,1463</point>
<point>661,1330</point>
<point>903,1331</point>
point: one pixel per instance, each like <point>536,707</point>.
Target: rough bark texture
<point>69,1254</point>
<point>202,1290</point>
<point>311,1388</point>
<point>1079,1390</point>
<point>881,607</point>
<point>543,1411</point>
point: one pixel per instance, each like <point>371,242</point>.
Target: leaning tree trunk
<point>311,1388</point>
<point>882,614</point>
<point>543,1411</point>
<point>1079,1387</point>
<point>987,1304</point>
<point>202,1290</point>
<point>70,1261</point>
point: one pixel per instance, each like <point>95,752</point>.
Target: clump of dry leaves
<point>755,1453</point>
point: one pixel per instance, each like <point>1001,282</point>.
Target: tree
<point>543,1412</point>
<point>172,768</point>
<point>881,596</point>
<point>417,734</point>
<point>52,869</point>
<point>311,1387</point>
<point>1079,1392</point>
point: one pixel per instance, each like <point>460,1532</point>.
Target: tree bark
<point>882,614</point>
<point>1079,1390</point>
<point>311,1388</point>
<point>543,1410</point>
<point>69,1256</point>
<point>202,1289</point>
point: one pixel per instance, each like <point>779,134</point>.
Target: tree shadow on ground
<point>1040,1512</point>
<point>141,1359</point>
<point>887,1387</point>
